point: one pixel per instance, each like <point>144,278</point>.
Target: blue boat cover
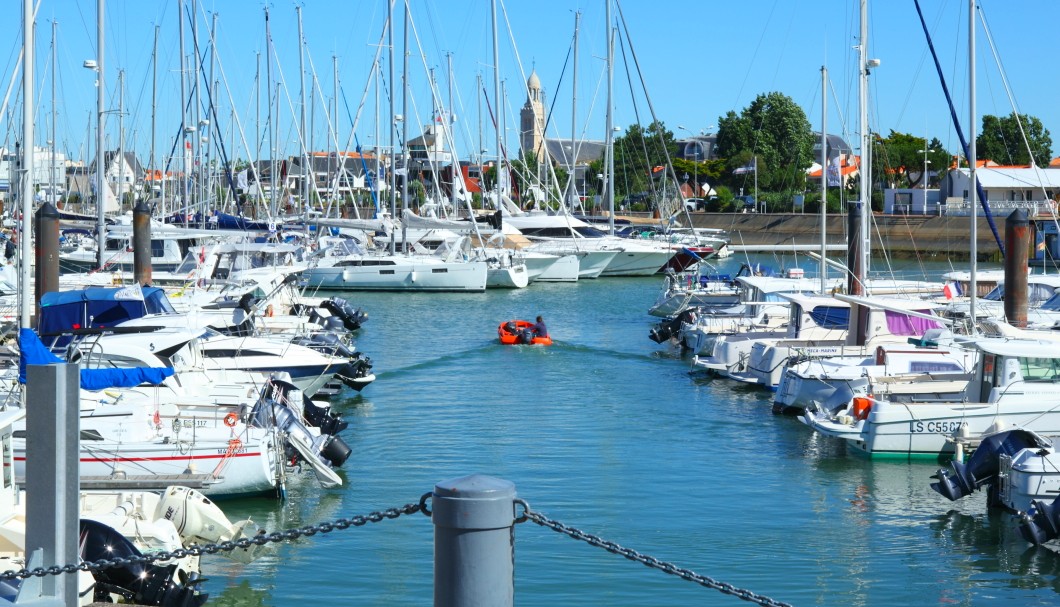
<point>33,352</point>
<point>61,311</point>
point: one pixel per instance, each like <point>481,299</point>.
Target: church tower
<point>532,119</point>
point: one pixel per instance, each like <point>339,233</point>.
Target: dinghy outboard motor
<point>669,328</point>
<point>1042,523</point>
<point>983,466</point>
<point>340,308</point>
<point>526,336</point>
<point>138,583</point>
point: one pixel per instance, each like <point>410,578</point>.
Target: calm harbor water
<point>608,432</point>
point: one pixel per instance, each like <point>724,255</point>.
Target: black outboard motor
<point>983,466</point>
<point>322,418</point>
<point>1042,523</point>
<point>511,327</point>
<point>351,318</point>
<point>138,583</point>
<point>526,336</point>
<point>668,328</point>
<point>331,448</point>
<point>327,343</point>
<point>357,373</point>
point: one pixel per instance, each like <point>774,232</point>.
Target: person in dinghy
<point>515,332</point>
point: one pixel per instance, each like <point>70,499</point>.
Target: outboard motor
<point>526,336</point>
<point>317,416</point>
<point>668,328</point>
<point>138,583</point>
<point>327,343</point>
<point>351,318</point>
<point>357,373</point>
<point>328,447</point>
<point>511,327</point>
<point>247,301</point>
<point>983,466</point>
<point>1042,523</point>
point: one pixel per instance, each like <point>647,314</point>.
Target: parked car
<point>695,204</point>
<point>749,203</point>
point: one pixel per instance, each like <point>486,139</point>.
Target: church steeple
<point>532,119</point>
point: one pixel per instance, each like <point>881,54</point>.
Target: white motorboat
<point>1016,384</point>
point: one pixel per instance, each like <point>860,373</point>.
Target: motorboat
<point>1016,384</point>
<point>521,332</point>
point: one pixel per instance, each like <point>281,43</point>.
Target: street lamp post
<point>924,175</point>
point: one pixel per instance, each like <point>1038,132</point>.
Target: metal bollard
<point>474,542</point>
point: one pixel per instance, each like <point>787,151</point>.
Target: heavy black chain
<point>646,560</point>
<point>196,550</point>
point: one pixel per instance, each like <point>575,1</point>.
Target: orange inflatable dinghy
<point>515,332</point>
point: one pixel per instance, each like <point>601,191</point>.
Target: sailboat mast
<point>405,127</point>
<point>866,141</point>
<point>121,140</point>
<point>306,169</point>
<point>823,268</point>
<point>52,194</point>
<point>972,211</point>
<point>393,127</point>
<point>26,178</point>
<point>183,119</point>
<point>154,106</point>
<point>496,101</point>
<point>609,151</point>
<point>101,183</point>
<point>574,112</point>
<point>272,119</point>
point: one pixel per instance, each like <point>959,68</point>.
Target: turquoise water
<point>606,431</point>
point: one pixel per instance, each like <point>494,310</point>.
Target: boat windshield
<point>1052,304</point>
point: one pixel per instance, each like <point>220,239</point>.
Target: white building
<point>1007,188</point>
<point>43,162</point>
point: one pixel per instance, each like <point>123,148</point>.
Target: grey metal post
<point>474,542</point>
<point>51,472</point>
<point>142,244</point>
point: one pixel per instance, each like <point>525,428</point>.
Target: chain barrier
<point>648,561</point>
<point>196,550</point>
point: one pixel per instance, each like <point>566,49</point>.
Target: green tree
<point>775,130</point>
<point>1001,140</point>
<point>900,159</point>
<point>637,151</point>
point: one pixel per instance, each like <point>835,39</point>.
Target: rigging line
<point>1008,90</point>
<point>758,47</point>
<point>960,133</point>
<point>355,120</point>
<point>651,107</point>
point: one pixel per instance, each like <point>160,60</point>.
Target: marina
<point>404,338</point>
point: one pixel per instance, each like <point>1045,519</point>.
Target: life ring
<point>231,419</point>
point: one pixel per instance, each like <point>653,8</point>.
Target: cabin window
<point>1040,369</point>
<point>386,272</point>
<point>158,248</point>
<point>439,270</point>
<point>924,366</point>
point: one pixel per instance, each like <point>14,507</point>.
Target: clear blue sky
<point>699,59</point>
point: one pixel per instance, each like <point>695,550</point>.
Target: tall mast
<point>257,121</point>
<point>574,113</point>
<point>497,101</point>
<point>823,269</point>
<point>306,170</point>
<point>866,141</point>
<point>52,181</point>
<point>609,151</point>
<point>185,168</point>
<point>335,134</point>
<point>972,190</point>
<point>393,127</point>
<point>405,126</point>
<point>154,106</point>
<point>121,140</point>
<point>101,163</point>
<point>25,239</point>
<point>272,119</point>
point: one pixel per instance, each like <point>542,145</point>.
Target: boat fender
<point>231,419</point>
<point>862,406</point>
